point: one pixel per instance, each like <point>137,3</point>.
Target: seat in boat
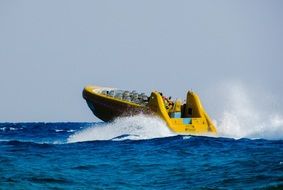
<point>128,96</point>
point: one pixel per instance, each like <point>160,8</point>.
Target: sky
<point>50,50</point>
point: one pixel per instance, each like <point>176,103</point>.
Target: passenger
<point>171,105</point>
<point>167,101</point>
<point>167,105</point>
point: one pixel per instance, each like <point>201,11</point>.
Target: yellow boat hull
<point>195,120</point>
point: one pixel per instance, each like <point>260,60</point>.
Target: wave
<point>139,127</point>
<point>64,130</point>
<point>10,129</point>
<point>18,143</point>
<point>31,142</point>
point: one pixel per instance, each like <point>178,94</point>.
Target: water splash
<point>248,116</point>
<point>137,127</point>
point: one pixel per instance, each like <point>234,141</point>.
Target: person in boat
<point>167,101</point>
<point>171,103</point>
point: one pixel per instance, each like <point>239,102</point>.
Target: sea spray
<point>248,116</point>
<point>137,127</point>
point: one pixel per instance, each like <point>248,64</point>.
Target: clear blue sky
<point>49,50</point>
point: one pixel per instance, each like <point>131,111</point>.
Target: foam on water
<point>247,116</point>
<point>137,127</point>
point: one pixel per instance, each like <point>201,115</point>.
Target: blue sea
<point>123,155</point>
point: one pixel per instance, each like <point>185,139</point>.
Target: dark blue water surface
<point>37,156</point>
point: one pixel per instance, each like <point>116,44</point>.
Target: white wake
<point>137,127</point>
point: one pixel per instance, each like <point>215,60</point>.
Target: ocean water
<point>135,153</point>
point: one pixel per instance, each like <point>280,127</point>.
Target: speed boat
<point>187,117</point>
